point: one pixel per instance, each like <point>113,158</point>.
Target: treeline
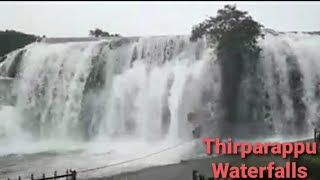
<point>101,33</point>
<point>11,40</point>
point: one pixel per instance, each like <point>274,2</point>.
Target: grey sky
<point>146,18</point>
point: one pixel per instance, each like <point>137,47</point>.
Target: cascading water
<point>132,87</point>
<point>134,92</point>
<point>290,64</point>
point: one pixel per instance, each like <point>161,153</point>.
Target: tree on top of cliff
<point>234,34</point>
<point>100,33</point>
<point>11,40</point>
<point>231,29</point>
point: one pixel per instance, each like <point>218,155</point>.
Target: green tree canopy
<point>231,29</point>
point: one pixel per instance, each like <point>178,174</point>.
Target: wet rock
<point>15,65</point>
<point>2,58</point>
<point>134,56</point>
<point>118,42</point>
<point>296,93</point>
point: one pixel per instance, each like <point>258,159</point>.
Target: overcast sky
<point>61,19</point>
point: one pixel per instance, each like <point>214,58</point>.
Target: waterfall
<point>145,87</point>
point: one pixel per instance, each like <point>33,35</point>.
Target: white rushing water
<point>128,97</point>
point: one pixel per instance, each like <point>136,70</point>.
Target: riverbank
<point>183,170</point>
<point>109,166</point>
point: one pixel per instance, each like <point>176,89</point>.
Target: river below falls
<point>94,160</point>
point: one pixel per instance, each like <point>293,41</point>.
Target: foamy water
<point>87,104</point>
